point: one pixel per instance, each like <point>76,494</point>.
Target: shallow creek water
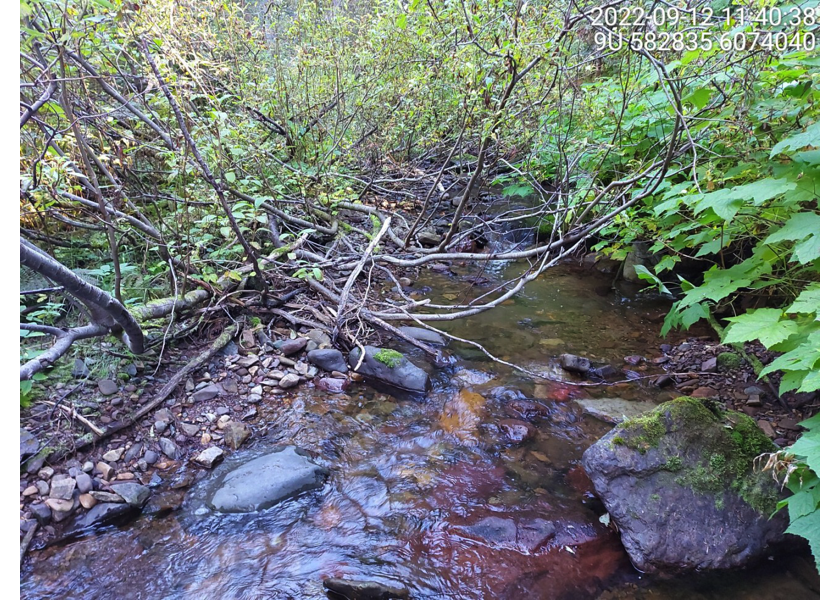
<point>412,482</point>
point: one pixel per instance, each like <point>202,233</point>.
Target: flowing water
<point>429,494</point>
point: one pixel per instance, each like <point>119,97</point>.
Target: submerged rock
<point>523,534</point>
<point>392,368</point>
<point>364,590</point>
<point>614,410</point>
<point>102,514</point>
<point>680,485</point>
<point>423,335</point>
<point>576,364</point>
<point>265,481</point>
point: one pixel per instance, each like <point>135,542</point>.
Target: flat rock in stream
<point>614,410</point>
<point>265,481</point>
<point>392,368</point>
<point>364,590</point>
<point>423,335</point>
<point>104,513</point>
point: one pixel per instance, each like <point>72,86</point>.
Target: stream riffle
<point>433,495</point>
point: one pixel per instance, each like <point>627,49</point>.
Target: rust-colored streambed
<point>431,495</point>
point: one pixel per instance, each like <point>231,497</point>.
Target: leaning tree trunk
<point>107,314</point>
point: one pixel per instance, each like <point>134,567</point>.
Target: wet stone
<point>84,483</point>
<point>133,452</point>
<point>517,431</point>
<point>614,410</point>
<point>767,428</point>
<point>107,387</point>
<point>133,493</point>
<point>165,415</point>
<point>190,429</point>
<point>328,359</point>
<point>150,456</point>
<point>364,590</point>
<point>209,457</point>
<point>169,448</point>
<point>576,364</point>
<point>334,386</point>
<point>106,470</point>
<point>101,496</point>
<point>236,434</point>
<point>103,513</point>
<point>290,347</point>
<point>59,505</point>
<point>709,366</point>
<point>113,455</point>
<point>265,481</point>
<point>207,393</point>
<point>289,381</point>
<point>41,512</point>
<point>423,335</point>
<point>603,372</point>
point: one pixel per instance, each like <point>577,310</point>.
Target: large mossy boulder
<point>681,485</point>
<point>391,368</point>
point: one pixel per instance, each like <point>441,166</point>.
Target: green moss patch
<point>644,432</point>
<point>728,360</point>
<point>709,449</point>
<point>389,358</point>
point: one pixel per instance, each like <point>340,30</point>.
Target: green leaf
<point>809,528</point>
<point>801,504</point>
<point>401,21</point>
<point>699,98</point>
<point>808,302</point>
<point>804,228</point>
<point>809,137</point>
<point>807,447</point>
<point>765,325</point>
<point>801,358</point>
<point>230,176</point>
<point>811,382</point>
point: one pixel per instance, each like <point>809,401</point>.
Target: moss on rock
<point>711,449</point>
<point>389,358</point>
<point>728,360</point>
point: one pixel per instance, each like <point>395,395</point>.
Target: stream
<point>431,495</point>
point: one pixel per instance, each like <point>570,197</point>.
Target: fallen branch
<point>348,286</point>
<point>70,412</point>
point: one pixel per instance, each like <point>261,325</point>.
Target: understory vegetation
<point>185,163</point>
